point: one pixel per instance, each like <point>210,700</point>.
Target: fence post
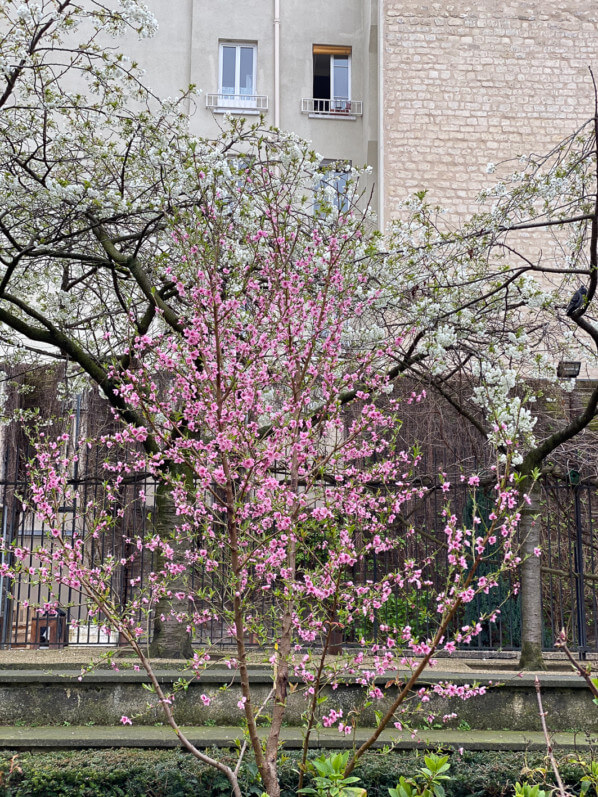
<point>579,577</point>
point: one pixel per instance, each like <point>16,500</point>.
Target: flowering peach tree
<point>274,432</point>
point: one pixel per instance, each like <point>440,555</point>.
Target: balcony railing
<point>237,103</point>
<point>337,108</point>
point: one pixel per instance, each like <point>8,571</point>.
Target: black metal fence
<point>569,569</point>
<point>570,563</point>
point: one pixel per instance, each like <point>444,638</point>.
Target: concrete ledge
<point>60,738</point>
<point>262,674</point>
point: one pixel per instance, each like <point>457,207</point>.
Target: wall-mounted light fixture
<point>568,369</point>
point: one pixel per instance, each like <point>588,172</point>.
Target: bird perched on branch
<point>578,301</point>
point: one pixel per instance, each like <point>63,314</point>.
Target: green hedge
<point>153,773</point>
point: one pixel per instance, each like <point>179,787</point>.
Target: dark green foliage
<point>114,773</point>
<point>481,504</point>
<point>475,774</point>
<point>169,773</point>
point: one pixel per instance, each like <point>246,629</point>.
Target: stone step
<point>27,738</point>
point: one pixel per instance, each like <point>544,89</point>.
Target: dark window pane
<point>321,77</point>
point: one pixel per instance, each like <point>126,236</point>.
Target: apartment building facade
<point>427,93</point>
<point>310,67</point>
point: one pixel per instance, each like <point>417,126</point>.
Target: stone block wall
<point>467,84</point>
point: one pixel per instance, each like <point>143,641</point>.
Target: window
<point>237,79</point>
<point>334,183</point>
<point>332,79</point>
<point>331,90</point>
<point>237,69</point>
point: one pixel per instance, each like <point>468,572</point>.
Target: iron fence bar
<point>592,563</point>
<point>579,579</point>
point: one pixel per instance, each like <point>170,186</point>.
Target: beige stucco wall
<point>466,84</point>
<point>186,50</point>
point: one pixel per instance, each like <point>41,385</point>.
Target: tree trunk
<point>531,589</point>
<point>171,639</point>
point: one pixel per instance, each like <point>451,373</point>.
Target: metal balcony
<point>237,103</point>
<point>338,108</point>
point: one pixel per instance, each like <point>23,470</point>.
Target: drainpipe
<point>381,219</point>
<point>276,63</point>
<point>190,61</point>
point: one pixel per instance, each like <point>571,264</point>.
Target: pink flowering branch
<point>428,652</point>
<point>317,688</point>
<point>584,671</point>
<point>89,583</point>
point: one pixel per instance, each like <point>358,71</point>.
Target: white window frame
<point>237,100</point>
<point>333,97</point>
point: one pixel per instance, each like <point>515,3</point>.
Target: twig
<point>553,763</point>
<point>585,672</point>
<point>245,743</point>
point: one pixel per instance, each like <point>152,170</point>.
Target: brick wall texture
<point>465,85</point>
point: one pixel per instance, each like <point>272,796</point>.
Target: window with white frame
<point>333,183</point>
<point>238,65</point>
<point>237,70</point>
<point>331,79</point>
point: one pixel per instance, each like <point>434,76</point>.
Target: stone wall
<point>32,697</point>
<point>467,84</point>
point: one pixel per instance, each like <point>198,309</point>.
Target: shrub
<point>172,773</point>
